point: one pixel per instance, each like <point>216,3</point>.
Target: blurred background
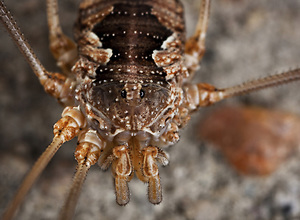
<point>245,40</point>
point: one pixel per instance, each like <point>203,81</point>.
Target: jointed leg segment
<point>62,47</point>
<point>87,154</point>
<point>64,130</point>
<point>195,46</point>
<point>202,94</point>
<point>55,84</point>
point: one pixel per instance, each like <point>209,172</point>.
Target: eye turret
<point>124,93</point>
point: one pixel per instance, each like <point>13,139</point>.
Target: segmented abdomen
<point>133,30</point>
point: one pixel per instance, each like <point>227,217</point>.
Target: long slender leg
<point>68,209</point>
<point>62,47</point>
<point>87,154</point>
<point>195,46</point>
<point>55,84</point>
<point>203,94</point>
<point>64,130</point>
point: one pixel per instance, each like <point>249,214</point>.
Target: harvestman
<point>126,89</point>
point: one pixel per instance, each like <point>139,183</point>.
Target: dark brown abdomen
<point>133,30</point>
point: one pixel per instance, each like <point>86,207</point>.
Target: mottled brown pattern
<point>131,68</point>
<point>140,50</point>
<point>133,30</point>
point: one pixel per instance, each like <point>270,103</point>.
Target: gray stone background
<point>246,39</point>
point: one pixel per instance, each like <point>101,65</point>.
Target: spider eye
<point>142,93</point>
<point>123,93</point>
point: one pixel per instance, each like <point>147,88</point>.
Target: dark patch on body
<point>133,33</point>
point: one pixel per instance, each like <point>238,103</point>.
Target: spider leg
<point>87,154</point>
<point>56,84</point>
<point>195,45</point>
<point>64,130</point>
<point>202,94</point>
<point>62,47</point>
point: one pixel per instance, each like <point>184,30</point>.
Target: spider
<point>131,187</point>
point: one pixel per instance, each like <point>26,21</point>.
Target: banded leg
<point>64,130</point>
<point>203,94</point>
<point>87,154</point>
<point>62,47</point>
<point>55,84</point>
<point>195,46</point>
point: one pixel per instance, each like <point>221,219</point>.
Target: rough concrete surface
<point>246,39</point>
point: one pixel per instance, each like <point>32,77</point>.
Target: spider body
<point>129,81</point>
<point>124,85</point>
